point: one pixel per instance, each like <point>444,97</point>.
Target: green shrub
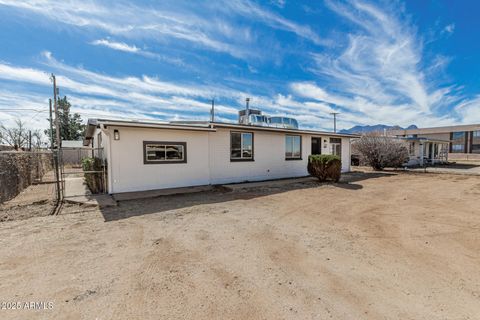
<point>325,167</point>
<point>95,180</point>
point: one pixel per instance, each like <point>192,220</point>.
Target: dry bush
<point>379,151</point>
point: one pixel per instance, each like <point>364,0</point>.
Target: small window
<point>412,149</point>
<point>458,148</point>
<point>458,135</point>
<point>293,147</point>
<point>476,134</point>
<point>241,146</point>
<point>164,152</point>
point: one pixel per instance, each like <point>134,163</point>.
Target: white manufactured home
<point>148,155</point>
<point>426,151</point>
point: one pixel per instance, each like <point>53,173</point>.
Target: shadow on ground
<point>464,166</point>
<point>220,194</point>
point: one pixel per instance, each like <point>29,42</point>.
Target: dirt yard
<point>384,246</point>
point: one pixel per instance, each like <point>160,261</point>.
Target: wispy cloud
<point>121,46</point>
<point>250,9</point>
<point>380,75</point>
<point>137,22</point>
<point>98,95</point>
<point>372,68</point>
<point>469,109</point>
<point>165,23</point>
<point>124,47</point>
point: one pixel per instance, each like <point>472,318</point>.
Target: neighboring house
<point>73,152</point>
<point>152,155</point>
<point>463,140</point>
<point>424,151</point>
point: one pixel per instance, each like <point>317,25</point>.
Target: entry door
<point>336,144</point>
<point>316,145</point>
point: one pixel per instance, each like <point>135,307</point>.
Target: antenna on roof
<point>247,110</point>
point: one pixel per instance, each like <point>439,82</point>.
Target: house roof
<point>447,129</point>
<point>274,129</point>
<point>195,126</point>
<point>423,139</point>
<point>72,144</point>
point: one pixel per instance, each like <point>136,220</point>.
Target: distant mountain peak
<point>375,128</point>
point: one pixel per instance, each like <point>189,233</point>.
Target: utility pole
<point>51,125</point>
<point>57,121</point>
<point>335,121</point>
<point>56,151</point>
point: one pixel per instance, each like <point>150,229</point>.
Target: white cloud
<point>137,22</point>
<point>98,95</point>
<point>12,73</point>
<point>121,46</point>
<point>250,9</point>
<point>124,47</point>
<point>380,75</point>
<point>163,23</point>
<point>469,109</point>
<point>93,94</point>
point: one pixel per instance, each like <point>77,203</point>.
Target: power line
<point>22,109</point>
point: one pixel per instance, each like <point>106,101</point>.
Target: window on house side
<point>458,148</point>
<point>164,152</point>
<point>241,146</point>
<point>293,147</point>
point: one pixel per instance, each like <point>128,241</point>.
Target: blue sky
<point>392,62</point>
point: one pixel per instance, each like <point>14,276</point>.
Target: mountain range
<point>374,128</point>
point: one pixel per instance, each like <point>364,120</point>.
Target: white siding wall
<point>208,159</point>
<point>129,173</point>
<point>346,155</point>
<point>269,156</point>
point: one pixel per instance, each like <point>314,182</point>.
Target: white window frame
<point>293,157</point>
<point>242,158</point>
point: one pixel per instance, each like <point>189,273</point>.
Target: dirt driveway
<point>403,246</point>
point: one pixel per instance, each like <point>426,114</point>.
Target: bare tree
<point>380,151</point>
<point>17,137</point>
<point>37,139</point>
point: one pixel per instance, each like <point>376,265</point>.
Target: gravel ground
<point>34,201</point>
<point>383,246</point>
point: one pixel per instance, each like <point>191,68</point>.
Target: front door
<point>336,144</point>
<point>316,145</point>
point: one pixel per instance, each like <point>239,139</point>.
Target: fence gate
<point>83,171</point>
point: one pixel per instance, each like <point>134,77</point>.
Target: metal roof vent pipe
<point>247,108</point>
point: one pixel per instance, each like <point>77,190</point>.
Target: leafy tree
<point>71,126</point>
